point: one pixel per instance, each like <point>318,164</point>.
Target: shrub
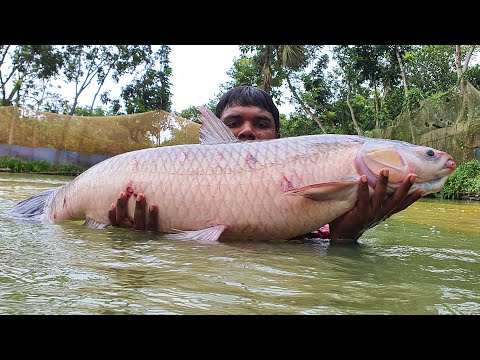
<point>465,179</point>
<point>16,164</point>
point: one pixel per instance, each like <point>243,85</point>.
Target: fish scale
<point>271,189</point>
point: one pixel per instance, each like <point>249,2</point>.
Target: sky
<point>198,72</point>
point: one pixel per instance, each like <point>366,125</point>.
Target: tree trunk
<point>402,71</point>
<point>460,70</point>
<point>74,106</point>
<point>377,110</point>
<point>458,65</point>
<point>266,70</point>
<point>304,107</point>
<point>355,124</point>
<point>100,85</point>
<point>385,92</point>
<point>15,91</point>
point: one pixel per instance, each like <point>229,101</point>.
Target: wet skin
<point>252,123</point>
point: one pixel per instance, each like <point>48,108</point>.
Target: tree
<point>190,113</point>
<point>344,55</point>
<point>431,68</point>
<point>86,63</point>
<point>21,66</point>
<point>316,91</point>
<point>399,56</point>
<point>461,65</point>
<point>266,66</point>
<point>151,91</point>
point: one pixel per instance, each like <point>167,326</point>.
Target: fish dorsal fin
<point>325,191</point>
<point>213,130</point>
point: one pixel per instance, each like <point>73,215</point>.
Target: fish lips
<point>450,164</point>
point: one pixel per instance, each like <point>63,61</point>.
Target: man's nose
<point>246,132</point>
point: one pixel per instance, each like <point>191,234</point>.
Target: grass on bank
<point>18,165</point>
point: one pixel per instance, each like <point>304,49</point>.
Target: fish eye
<point>430,152</point>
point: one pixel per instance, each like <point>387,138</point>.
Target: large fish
<point>223,188</point>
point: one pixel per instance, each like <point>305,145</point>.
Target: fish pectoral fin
<point>325,191</point>
<point>93,224</point>
<point>205,236</point>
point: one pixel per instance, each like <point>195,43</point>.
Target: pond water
<point>424,260</point>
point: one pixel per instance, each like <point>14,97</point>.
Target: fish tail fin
<point>33,207</point>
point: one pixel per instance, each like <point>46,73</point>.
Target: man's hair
<point>248,96</point>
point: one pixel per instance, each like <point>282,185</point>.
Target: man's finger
<point>121,211</point>
<point>400,199</point>
<point>152,218</point>
<point>404,188</point>
<point>380,191</point>
<point>121,206</point>
<point>363,200</point>
<point>112,217</point>
<point>139,222</point>
<point>409,200</point>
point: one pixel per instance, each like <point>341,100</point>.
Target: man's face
<point>249,123</point>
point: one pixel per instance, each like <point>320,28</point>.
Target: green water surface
<point>424,260</point>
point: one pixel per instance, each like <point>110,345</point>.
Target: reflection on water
<point>424,260</point>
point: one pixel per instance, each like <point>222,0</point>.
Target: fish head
<point>431,166</point>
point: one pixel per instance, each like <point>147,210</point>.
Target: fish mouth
<point>450,164</point>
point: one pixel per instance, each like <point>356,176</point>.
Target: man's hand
<point>118,214</point>
<point>367,213</point>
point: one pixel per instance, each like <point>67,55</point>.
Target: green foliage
<point>316,82</point>
<point>244,71</point>
<point>24,66</point>
<point>472,75</point>
<point>298,125</point>
<point>341,121</point>
<point>15,164</point>
<point>393,104</point>
<point>85,111</point>
<point>431,68</point>
<point>18,165</point>
<point>465,179</point>
<point>66,169</point>
<point>38,166</point>
<point>414,96</point>
<point>152,90</point>
<point>190,114</point>
<point>267,67</point>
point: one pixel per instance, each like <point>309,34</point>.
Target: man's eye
<point>232,124</point>
<point>263,125</point>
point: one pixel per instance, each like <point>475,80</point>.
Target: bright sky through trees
<point>198,71</point>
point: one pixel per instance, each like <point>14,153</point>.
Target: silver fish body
<point>271,189</point>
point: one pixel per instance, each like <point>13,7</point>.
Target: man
<point>252,115</point>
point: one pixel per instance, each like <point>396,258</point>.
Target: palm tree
<point>277,60</point>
